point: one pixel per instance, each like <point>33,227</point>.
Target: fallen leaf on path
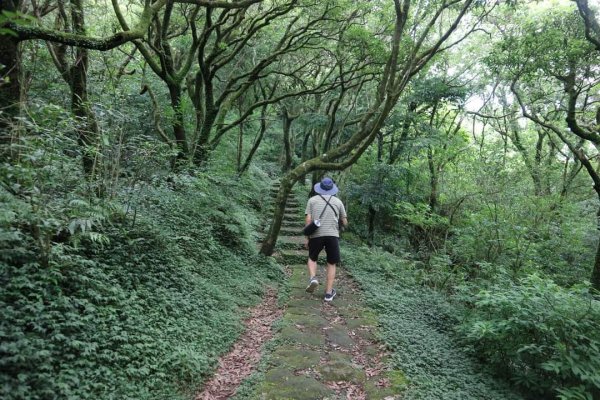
<point>245,354</point>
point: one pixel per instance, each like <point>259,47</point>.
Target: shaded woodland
<point>141,142</point>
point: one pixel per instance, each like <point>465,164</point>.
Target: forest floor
<point>328,350</point>
<point>323,350</point>
<point>332,351</point>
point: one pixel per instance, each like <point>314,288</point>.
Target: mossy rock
<point>306,300</point>
<point>365,318</point>
<point>293,358</point>
<point>397,384</point>
<point>306,306</point>
<point>291,387</point>
<point>306,320</point>
<point>371,350</point>
<point>291,334</point>
<point>341,368</point>
<point>350,308</point>
<point>295,226</point>
<point>289,245</point>
<point>338,336</point>
<point>298,297</point>
<point>367,334</point>
<point>294,256</point>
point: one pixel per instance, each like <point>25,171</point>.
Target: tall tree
<point>75,73</point>
<point>416,36</point>
<point>552,74</point>
<point>9,68</point>
<point>239,48</point>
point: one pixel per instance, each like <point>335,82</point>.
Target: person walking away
<point>329,210</point>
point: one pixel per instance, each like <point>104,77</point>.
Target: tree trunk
<point>202,148</point>
<point>285,187</point>
<point>178,125</point>
<point>595,278</point>
<point>395,152</point>
<point>371,226</point>
<point>305,140</point>
<point>257,141</point>
<point>372,215</point>
<point>240,148</point>
<point>87,127</point>
<point>433,182</point>
<point>10,88</point>
<point>536,174</point>
<point>287,140</point>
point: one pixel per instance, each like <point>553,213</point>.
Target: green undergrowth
<point>134,301</point>
<point>542,336</point>
<point>417,327</point>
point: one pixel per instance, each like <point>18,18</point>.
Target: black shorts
<point>331,245</point>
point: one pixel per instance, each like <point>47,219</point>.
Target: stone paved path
<point>327,350</point>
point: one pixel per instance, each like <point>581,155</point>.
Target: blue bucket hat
<point>326,187</point>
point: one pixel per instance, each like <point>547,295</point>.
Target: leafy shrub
<point>417,328</point>
<point>546,337</point>
<point>133,298</point>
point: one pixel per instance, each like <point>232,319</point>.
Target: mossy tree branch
<point>394,79</point>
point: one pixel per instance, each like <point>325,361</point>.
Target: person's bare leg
<point>330,277</point>
<point>312,268</point>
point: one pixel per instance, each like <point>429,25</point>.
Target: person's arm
<point>307,220</point>
<point>345,222</point>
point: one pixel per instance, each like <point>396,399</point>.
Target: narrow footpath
<point>326,350</point>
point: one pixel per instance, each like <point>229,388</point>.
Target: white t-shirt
<point>329,221</point>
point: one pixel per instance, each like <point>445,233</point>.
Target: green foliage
<point>420,215</point>
<point>129,298</point>
<point>543,42</point>
<point>433,89</point>
<point>545,337</point>
<point>16,18</point>
<point>416,326</point>
<point>376,185</point>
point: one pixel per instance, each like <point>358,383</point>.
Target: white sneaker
<point>330,296</point>
<point>312,284</point>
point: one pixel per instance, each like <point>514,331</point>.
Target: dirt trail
<point>241,361</point>
<point>327,350</point>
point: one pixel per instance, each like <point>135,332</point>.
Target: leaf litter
<point>243,358</point>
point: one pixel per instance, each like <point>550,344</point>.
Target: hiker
<point>330,211</point>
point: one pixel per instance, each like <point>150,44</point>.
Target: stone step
<point>291,211</point>
<point>294,256</point>
<point>290,242</point>
<point>291,231</point>
<point>295,223</point>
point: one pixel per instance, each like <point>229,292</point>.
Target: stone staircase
<point>290,243</point>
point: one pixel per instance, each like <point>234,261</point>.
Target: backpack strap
<point>327,204</point>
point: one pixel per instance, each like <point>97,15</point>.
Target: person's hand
<point>306,243</point>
